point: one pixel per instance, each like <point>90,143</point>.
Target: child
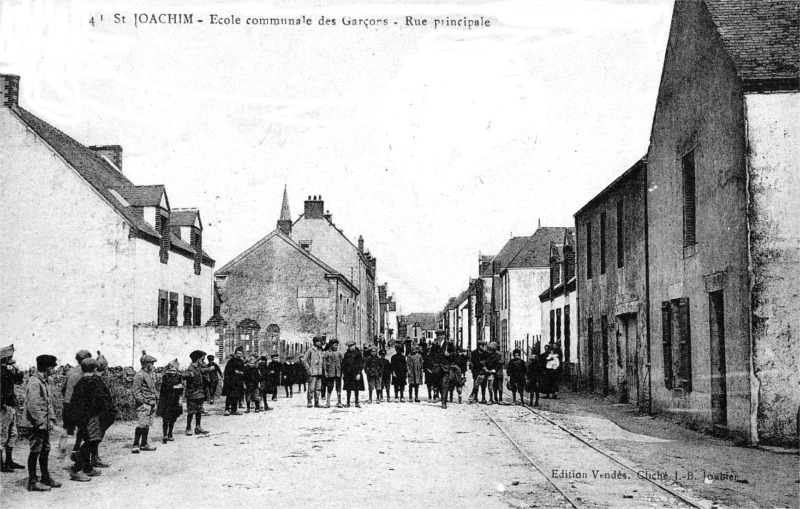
<point>300,376</point>
<point>233,387</point>
<point>275,369</point>
<point>144,397</point>
<point>213,380</point>
<point>399,373</point>
<point>195,391</point>
<point>9,377</point>
<point>90,400</point>
<point>38,416</point>
<point>386,376</point>
<point>373,368</point>
<point>251,381</point>
<point>516,376</point>
<point>169,406</point>
<point>263,381</point>
<point>415,378</point>
<point>352,366</point>
<point>533,375</point>
<point>287,376</point>
<point>332,373</point>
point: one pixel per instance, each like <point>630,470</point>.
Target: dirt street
<point>388,455</point>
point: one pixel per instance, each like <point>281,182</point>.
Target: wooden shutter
<point>552,325</point>
<point>198,308</point>
<point>666,332</point>
<point>589,250</point>
<point>187,311</point>
<point>603,219</point>
<point>684,350</point>
<point>620,237</point>
<point>567,335</point>
<point>689,200</point>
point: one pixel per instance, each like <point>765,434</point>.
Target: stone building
<point>280,283</point>
<point>388,324</point>
<point>484,313</point>
<point>611,281</point>
<point>89,259</point>
<point>559,300</point>
<point>723,178</point>
<point>420,326</point>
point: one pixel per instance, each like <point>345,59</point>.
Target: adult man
<point>9,377</point>
<point>233,389</point>
<point>332,373</point>
<point>195,391</point>
<point>444,363</point>
<point>145,399</point>
<point>312,362</point>
<point>478,366</point>
<point>74,374</point>
<point>39,418</point>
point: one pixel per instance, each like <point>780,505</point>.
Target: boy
<point>90,402</point>
<point>275,369</point>
<point>264,381</point>
<point>386,376</point>
<point>213,380</point>
<point>332,373</point>
<point>39,418</point>
<point>195,391</point>
<point>169,402</point>
<point>251,380</point>
<point>9,377</point>
<point>373,368</point>
<point>73,375</point>
<point>144,397</point>
<point>516,375</point>
<point>287,376</point>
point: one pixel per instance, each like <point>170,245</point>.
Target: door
<point>631,343</point>
<point>604,352</point>
<point>719,393</point>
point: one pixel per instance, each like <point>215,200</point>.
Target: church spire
<point>285,220</point>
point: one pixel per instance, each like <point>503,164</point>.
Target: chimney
<point>314,208</point>
<point>9,90</point>
<point>112,152</point>
<point>360,244</point>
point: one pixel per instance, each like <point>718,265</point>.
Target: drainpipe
<point>336,321</point>
<point>647,292</point>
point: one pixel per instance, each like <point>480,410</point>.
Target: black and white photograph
<point>493,254</point>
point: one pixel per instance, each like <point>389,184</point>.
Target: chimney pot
<point>314,208</point>
<point>9,90</point>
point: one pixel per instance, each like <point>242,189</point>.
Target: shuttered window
<point>162,227</point>
<point>552,325</point>
<point>558,324</point>
<point>589,250</point>
<point>197,312</point>
<point>163,307</point>
<point>620,250</point>
<point>689,200</point>
<point>566,334</point>
<point>173,309</point>
<point>187,311</point>
<point>603,242</point>
<point>677,344</point>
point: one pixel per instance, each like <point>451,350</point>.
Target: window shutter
<point>666,330</point>
<point>552,326</point>
<point>588,250</point>
<point>684,374</point>
<point>689,200</point>
<point>187,311</point>
<point>198,308</point>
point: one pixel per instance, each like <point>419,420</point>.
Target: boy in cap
<point>169,406</point>
<point>251,380</point>
<point>195,391</point>
<point>9,377</point>
<point>386,376</point>
<point>39,418</point>
<point>352,366</point>
<point>264,387</point>
<point>312,362</point>
<point>274,370</point>
<point>287,376</point>
<point>332,373</point>
<point>90,401</point>
<point>213,379</point>
<point>73,375</point>
<point>373,368</point>
<point>516,375</point>
<point>145,399</point>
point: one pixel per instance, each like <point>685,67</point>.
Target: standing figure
<point>251,384</point>
<point>312,362</point>
<point>495,369</point>
<point>264,389</point>
<point>38,417</point>
<point>435,375</point>
<point>516,376</point>
<point>195,391</point>
<point>169,406</point>
<point>415,374</point>
<point>93,411</point>
<point>332,373</point>
<point>287,376</point>
<point>73,375</point>
<point>233,383</point>
<point>145,399</point>
<point>300,376</point>
<point>478,362</point>
<point>445,364</point>
<point>399,373</point>
<point>275,369</point>
<point>386,375</point>
<point>533,377</point>
<point>352,366</point>
<point>9,377</point>
<point>213,380</point>
<point>374,370</point>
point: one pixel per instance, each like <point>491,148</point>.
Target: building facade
<point>90,256</point>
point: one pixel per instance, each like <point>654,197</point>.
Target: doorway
<point>719,393</point>
<point>629,349</point>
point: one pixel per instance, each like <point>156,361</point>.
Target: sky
<point>435,144</point>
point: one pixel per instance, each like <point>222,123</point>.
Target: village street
<point>418,455</point>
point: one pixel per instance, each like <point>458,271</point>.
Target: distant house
<point>420,326</point>
<point>280,283</point>
<point>559,300</point>
<point>723,177</point>
<point>93,260</point>
<point>484,311</point>
<point>612,289</point>
<point>523,278</point>
<point>389,325</point>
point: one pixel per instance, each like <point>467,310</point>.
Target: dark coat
<point>251,377</point>
<point>533,374</point>
<point>169,402</point>
<point>432,374</point>
<point>516,372</point>
<point>373,366</point>
<point>479,359</point>
<point>234,378</point>
<point>386,371</point>
<point>352,366</point>
<point>92,399</point>
<point>288,374</point>
<point>399,369</point>
<point>300,375</point>
<point>8,380</point>
<point>274,372</point>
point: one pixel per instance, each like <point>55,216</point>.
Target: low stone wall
<point>167,343</point>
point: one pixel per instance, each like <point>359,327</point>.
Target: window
<point>558,324</point>
<point>676,344</point>
<point>187,311</point>
<point>588,250</point>
<point>197,245</point>
<point>162,227</point>
<point>197,311</point>
<point>603,242</point>
<point>689,200</point>
<point>555,272</point>
<point>552,326</point>
<point>163,307</point>
<point>173,308</point>
<point>620,251</point>
<point>566,334</point>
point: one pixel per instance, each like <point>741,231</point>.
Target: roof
<point>183,217</point>
<point>536,252</point>
<point>285,214</point>
<point>142,196</point>
<point>427,321</point>
<point>761,36</point>
<point>638,165</point>
<point>103,178</point>
<point>329,271</point>
<point>509,251</point>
